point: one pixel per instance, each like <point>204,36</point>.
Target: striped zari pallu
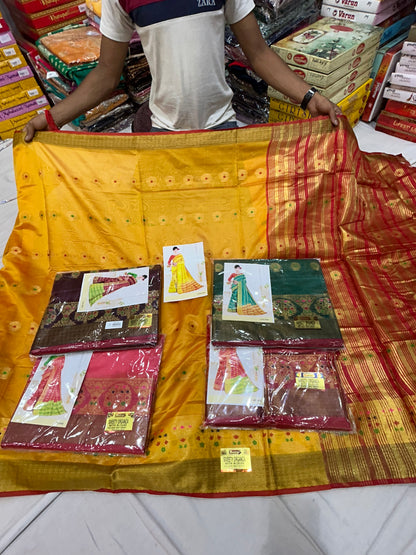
<point>291,190</point>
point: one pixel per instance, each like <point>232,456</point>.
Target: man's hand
<point>38,123</point>
<point>320,106</point>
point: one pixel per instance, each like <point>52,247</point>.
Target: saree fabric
<point>288,190</point>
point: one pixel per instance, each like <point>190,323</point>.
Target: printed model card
<point>184,272</point>
<point>114,289</point>
<point>53,389</point>
<point>247,293</point>
<point>235,376</point>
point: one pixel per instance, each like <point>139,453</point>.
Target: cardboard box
<point>15,75</point>
<point>361,16</point>
<point>35,34</point>
<point>338,90</point>
<point>324,80</point>
<point>12,63</point>
<point>370,6</point>
<point>35,6</point>
<point>15,111</point>
<point>46,18</point>
<point>8,127</point>
<point>400,95</point>
<point>7,52</point>
<point>20,97</point>
<point>327,44</point>
<point>6,39</point>
<point>17,87</point>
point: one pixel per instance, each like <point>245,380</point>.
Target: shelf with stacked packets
<point>21,97</point>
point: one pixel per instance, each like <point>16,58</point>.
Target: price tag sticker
<point>141,321</point>
<point>235,459</point>
<point>307,324</point>
<point>114,325</point>
<point>119,422</point>
<point>310,380</point>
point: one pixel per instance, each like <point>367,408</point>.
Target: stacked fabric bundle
<point>96,355</point>
<point>276,19</point>
<point>21,97</point>
<point>273,346</point>
<point>137,78</point>
<point>63,59</point>
<point>137,73</point>
<point>33,20</point>
<point>336,59</point>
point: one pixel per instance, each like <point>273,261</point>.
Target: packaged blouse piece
<point>273,303</point>
<point>77,45</point>
<point>112,412</point>
<point>303,391</point>
<point>235,387</point>
<point>101,310</point>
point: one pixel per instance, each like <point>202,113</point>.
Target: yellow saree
<point>290,190</point>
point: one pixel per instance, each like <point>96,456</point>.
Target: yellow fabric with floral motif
<point>291,190</point>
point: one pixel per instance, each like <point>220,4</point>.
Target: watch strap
<point>306,99</point>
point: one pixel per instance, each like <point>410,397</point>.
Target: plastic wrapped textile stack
<point>112,411</point>
<point>137,73</point>
<point>64,59</point>
<point>33,20</point>
<point>334,58</point>
<point>21,97</point>
<point>276,19</point>
<point>273,346</point>
<point>96,358</point>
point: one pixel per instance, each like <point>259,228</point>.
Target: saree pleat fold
<point>291,190</point>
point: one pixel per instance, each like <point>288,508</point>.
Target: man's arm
<point>272,69</point>
<point>97,86</point>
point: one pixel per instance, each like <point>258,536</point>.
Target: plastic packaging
<point>235,387</point>
<point>251,387</point>
<point>112,412</point>
<point>75,46</point>
<point>273,303</point>
<point>303,391</point>
<point>101,310</point>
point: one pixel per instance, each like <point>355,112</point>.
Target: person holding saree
<point>184,46</point>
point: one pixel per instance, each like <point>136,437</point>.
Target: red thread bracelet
<point>50,121</point>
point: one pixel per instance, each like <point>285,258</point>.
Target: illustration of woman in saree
<point>231,376</point>
<point>241,300</point>
<point>181,281</point>
<point>105,285</point>
<point>47,400</point>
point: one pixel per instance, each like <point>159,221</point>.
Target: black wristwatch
<point>307,98</point>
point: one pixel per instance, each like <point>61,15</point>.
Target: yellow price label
<point>310,380</point>
<point>119,422</point>
<point>308,324</point>
<point>141,321</point>
<point>235,459</point>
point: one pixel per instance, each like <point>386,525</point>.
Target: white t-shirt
<point>183,41</point>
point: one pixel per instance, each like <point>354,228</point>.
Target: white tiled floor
<point>375,520</point>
